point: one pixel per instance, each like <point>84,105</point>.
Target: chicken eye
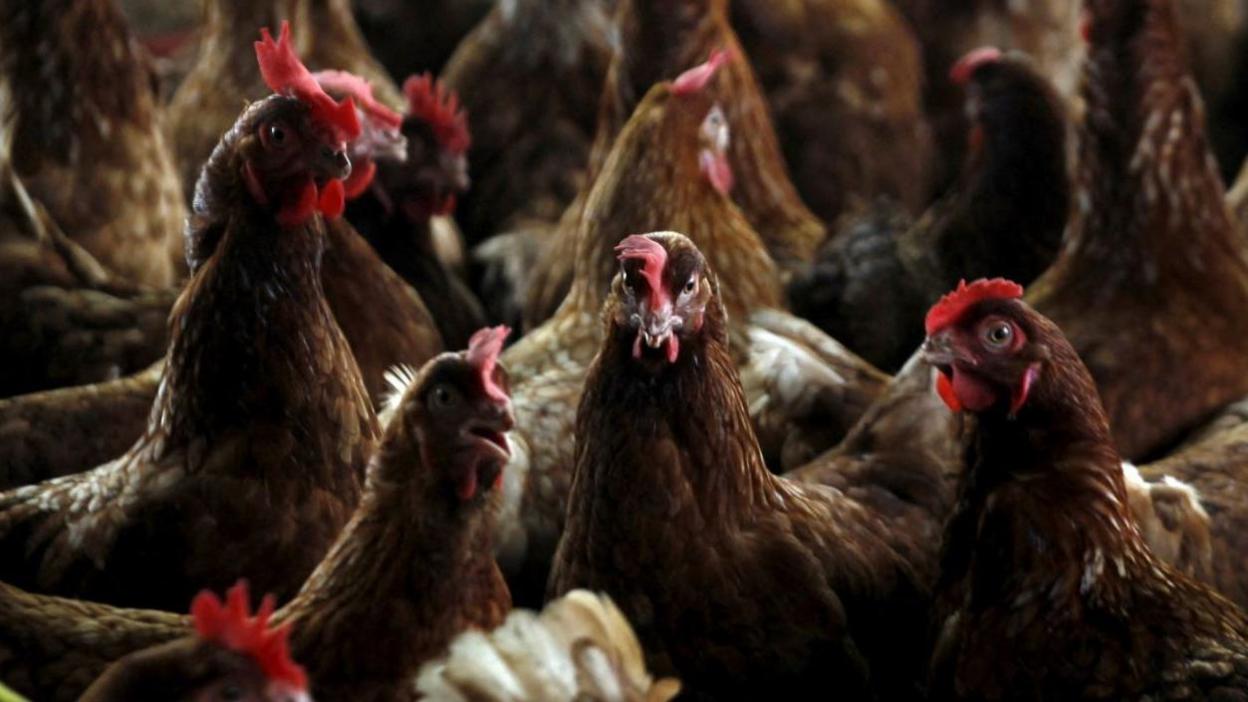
<point>691,285</point>
<point>277,135</point>
<point>443,396</point>
<point>999,334</point>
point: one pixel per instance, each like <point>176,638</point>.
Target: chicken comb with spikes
<point>230,626</point>
<point>361,91</point>
<point>653,256</point>
<point>284,73</point>
<point>432,101</point>
<point>966,66</point>
<point>696,78</point>
<point>950,308</point>
<point>483,350</point>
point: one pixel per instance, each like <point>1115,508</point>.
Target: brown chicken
<point>579,647</point>
<point>397,216</point>
<point>385,322</point>
<point>411,570</point>
<point>844,80</point>
<point>1046,30</point>
<point>674,515</point>
<point>86,138</point>
<point>669,168</point>
<point>530,76</point>
<point>1151,285</point>
<point>90,210</point>
<point>1047,585</point>
<point>261,427</point>
<point>232,655</point>
<point>872,283</point>
<point>658,40</point>
<point>224,77</point>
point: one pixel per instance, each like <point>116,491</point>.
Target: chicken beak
<point>940,352</point>
<point>658,330</point>
<point>332,163</point>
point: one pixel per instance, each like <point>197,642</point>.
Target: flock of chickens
<point>640,314</point>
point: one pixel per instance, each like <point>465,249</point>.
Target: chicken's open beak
<point>941,353</point>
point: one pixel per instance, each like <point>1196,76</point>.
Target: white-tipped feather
<point>399,380</point>
<point>579,648</point>
<point>1172,520</point>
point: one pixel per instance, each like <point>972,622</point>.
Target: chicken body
<point>1047,584</point>
<point>91,215</point>
<point>258,436</point>
<point>1151,285</point>
<point>714,535</point>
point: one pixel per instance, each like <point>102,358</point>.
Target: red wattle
<point>466,486</point>
<point>294,214</point>
<point>717,170</point>
<point>945,390</point>
<point>673,348</point>
<point>974,394</point>
<point>333,199</point>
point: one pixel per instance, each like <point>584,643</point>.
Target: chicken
<point>530,76</point>
<point>411,570</point>
<point>384,320</point>
<point>207,101</point>
<point>844,80</point>
<point>1047,584</point>
<point>411,37</point>
<point>85,130</point>
<point>261,426</point>
<point>659,39</point>
<point>1215,472</point>
<point>579,647</point>
<point>1005,217</point>
<point>1046,30</point>
<point>669,168</point>
<point>90,211</point>
<point>1237,197</point>
<point>1151,285</point>
<point>674,515</point>
<point>405,197</point>
<point>232,655</point>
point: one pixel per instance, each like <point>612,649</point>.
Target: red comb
<point>431,101</point>
<point>653,256</point>
<point>951,307</point>
<point>285,73</point>
<point>968,64</point>
<point>361,92</point>
<point>696,78</point>
<point>229,625</point>
<point>483,350</point>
